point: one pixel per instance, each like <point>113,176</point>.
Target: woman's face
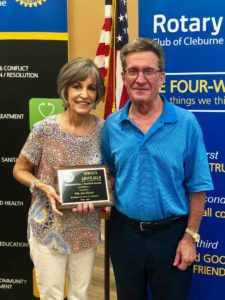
<point>82,96</point>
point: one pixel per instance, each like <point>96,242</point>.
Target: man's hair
<point>78,70</point>
<point>141,45</point>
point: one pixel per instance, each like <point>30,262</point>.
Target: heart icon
<point>46,109</point>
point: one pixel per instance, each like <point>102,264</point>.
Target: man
<point>156,155</point>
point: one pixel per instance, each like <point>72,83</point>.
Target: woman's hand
<point>52,196</point>
<point>106,212</point>
<point>84,208</point>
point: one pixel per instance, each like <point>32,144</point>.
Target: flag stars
<point>121,18</point>
<point>119,38</point>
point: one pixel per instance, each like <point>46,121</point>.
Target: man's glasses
<point>148,72</point>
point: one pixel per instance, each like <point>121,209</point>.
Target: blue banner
<point>33,16</point>
<point>33,48</point>
<point>193,37</point>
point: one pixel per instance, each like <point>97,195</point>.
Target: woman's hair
<point>141,45</point>
<point>78,70</point>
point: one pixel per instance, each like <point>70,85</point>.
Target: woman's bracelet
<point>33,184</point>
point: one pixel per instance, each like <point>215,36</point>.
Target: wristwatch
<point>194,235</point>
<point>33,184</point>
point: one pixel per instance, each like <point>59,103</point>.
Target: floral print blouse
<point>49,147</point>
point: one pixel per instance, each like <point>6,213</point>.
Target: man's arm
<point>186,249</point>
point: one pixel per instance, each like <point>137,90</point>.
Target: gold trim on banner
<point>34,36</point>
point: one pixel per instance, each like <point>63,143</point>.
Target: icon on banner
<point>30,3</point>
<point>41,108</point>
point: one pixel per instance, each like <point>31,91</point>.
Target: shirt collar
<point>168,115</point>
<point>124,112</point>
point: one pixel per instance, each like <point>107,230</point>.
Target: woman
<point>63,244</point>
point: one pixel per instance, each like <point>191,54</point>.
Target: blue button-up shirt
<point>155,172</point>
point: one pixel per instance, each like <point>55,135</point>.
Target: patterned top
<point>48,147</point>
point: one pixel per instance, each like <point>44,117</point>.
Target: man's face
<point>142,77</point>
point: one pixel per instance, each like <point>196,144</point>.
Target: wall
<point>86,19</point>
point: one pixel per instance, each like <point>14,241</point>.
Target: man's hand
<point>186,249</point>
<point>185,253</point>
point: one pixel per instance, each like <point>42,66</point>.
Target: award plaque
<point>80,184</point>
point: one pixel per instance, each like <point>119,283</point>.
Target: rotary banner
<point>192,35</point>
<point>33,47</point>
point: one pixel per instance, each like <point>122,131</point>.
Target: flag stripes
<point>114,36</point>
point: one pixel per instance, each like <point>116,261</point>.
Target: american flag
<point>114,36</point>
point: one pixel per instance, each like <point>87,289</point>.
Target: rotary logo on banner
<point>30,3</point>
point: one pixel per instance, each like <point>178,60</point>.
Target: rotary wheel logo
<point>31,3</point>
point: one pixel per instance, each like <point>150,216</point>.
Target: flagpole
<point>114,56</point>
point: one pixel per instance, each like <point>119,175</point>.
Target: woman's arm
<point>23,172</point>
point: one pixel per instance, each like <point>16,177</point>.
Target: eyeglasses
<point>148,72</point>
